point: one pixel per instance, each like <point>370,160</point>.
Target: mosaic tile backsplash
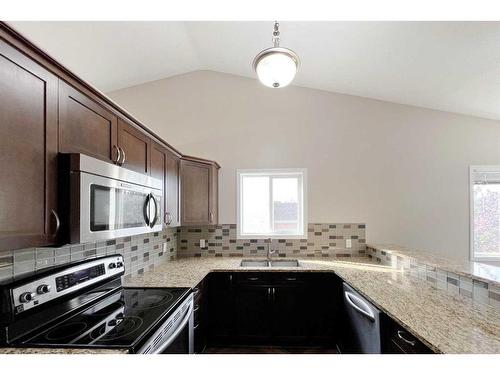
<point>453,283</point>
<point>141,253</point>
<point>323,240</point>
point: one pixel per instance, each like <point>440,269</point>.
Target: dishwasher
<point>364,323</point>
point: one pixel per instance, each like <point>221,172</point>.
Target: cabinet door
<point>289,325</point>
<point>253,313</point>
<point>195,193</point>
<point>221,304</point>
<point>135,147</point>
<point>172,190</point>
<point>165,167</point>
<point>158,170</point>
<point>85,126</point>
<point>28,144</point>
<point>214,196</point>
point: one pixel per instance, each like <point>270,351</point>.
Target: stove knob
<point>27,297</point>
<point>112,265</point>
<point>42,289</point>
<point>119,264</point>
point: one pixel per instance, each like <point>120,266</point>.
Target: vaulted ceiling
<point>452,66</point>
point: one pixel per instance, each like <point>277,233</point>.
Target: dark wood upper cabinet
<point>165,167</point>
<point>28,151</point>
<point>199,196</point>
<point>172,190</point>
<point>135,147</point>
<point>45,109</point>
<point>85,126</point>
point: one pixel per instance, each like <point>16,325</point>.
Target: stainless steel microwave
<point>106,201</point>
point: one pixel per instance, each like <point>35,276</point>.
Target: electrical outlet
<point>348,243</point>
<point>202,244</point>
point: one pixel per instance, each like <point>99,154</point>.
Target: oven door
<point>111,208</point>
<point>175,335</point>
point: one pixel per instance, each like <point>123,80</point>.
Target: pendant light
<point>276,66</point>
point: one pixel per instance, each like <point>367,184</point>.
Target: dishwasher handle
<point>359,305</point>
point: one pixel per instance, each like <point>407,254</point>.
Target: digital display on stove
<point>77,277</point>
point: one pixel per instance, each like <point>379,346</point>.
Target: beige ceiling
<point>452,66</point>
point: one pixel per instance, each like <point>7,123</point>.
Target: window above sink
<point>272,203</point>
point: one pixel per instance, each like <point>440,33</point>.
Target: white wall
<point>402,170</point>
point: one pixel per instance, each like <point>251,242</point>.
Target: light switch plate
<point>348,243</point>
<point>202,243</point>
<point>164,247</point>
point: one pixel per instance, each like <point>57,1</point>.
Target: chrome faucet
<point>269,250</point>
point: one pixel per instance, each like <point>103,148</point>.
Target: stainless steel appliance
<point>84,305</point>
<point>364,323</point>
<point>106,201</point>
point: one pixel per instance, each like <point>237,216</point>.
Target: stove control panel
<point>68,280</point>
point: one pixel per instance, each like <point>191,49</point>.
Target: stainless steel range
<point>83,305</point>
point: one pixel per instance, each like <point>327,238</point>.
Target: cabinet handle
<point>211,215</point>
<point>409,342</point>
<point>291,279</point>
<point>167,218</point>
<point>253,278</point>
<point>274,294</point>
<point>58,222</point>
<point>118,155</point>
<point>123,156</point>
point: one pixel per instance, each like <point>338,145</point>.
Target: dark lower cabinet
<point>273,308</point>
<point>397,340</point>
<point>252,314</point>
<point>221,308</point>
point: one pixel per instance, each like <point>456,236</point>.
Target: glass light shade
<point>276,67</point>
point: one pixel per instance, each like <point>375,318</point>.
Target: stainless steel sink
<point>267,263</point>
<point>284,263</point>
<point>254,263</point>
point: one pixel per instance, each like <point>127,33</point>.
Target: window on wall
<point>485,212</point>
<point>272,203</point>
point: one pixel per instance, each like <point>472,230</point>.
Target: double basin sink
<point>270,263</point>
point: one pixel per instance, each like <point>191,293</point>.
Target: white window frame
<point>283,172</point>
<point>472,170</point>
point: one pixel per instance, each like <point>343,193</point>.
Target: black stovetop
<point>122,319</point>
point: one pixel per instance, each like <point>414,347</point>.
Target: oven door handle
<point>146,209</point>
<point>176,333</point>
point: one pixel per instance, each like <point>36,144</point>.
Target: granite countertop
<point>60,351</point>
<point>486,271</point>
<point>446,323</point>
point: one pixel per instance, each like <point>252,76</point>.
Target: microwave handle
<point>155,218</point>
<point>146,209</point>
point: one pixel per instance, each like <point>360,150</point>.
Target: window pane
<point>286,205</point>
<point>487,219</point>
<point>255,205</point>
